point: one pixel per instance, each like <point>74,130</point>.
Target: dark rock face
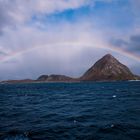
<point>108,68</point>
<point>55,78</point>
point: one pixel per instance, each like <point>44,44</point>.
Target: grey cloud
<point>119,42</point>
<point>135,38</point>
<point>7,8</point>
<point>4,17</point>
<point>2,53</point>
<point>133,44</point>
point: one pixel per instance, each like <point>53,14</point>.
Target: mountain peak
<point>108,55</point>
<point>106,61</point>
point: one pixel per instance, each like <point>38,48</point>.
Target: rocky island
<point>108,68</point>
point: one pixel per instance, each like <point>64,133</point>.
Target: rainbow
<point>111,48</point>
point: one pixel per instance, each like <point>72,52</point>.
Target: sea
<point>70,111</point>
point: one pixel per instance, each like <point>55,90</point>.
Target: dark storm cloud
<point>135,38</point>
<point>5,14</point>
<point>133,44</point>
<point>3,20</point>
<point>119,42</point>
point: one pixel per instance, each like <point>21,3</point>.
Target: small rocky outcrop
<point>55,78</point>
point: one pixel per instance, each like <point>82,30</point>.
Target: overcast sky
<point>66,36</point>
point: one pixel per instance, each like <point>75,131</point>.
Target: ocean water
<point>70,111</point>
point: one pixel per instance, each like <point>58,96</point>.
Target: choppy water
<point>70,111</point>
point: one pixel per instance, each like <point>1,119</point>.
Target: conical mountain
<point>108,68</point>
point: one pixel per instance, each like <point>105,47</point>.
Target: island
<point>108,68</point>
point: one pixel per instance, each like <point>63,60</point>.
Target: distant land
<point>108,68</point>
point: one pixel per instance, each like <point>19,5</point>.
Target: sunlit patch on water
<point>114,96</point>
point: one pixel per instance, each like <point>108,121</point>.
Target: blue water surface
<point>70,111</point>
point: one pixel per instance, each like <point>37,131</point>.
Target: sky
<point>66,36</point>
